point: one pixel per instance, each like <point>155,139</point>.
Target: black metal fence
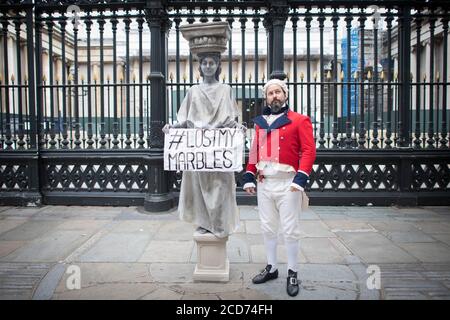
<point>85,90</point>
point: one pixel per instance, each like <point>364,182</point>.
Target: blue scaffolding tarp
<point>354,47</point>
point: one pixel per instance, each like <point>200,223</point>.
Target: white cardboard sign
<point>203,149</point>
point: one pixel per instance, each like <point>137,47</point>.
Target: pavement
<point>350,253</point>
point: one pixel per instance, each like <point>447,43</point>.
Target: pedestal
<point>212,260</point>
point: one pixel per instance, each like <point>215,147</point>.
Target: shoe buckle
<point>293,281</point>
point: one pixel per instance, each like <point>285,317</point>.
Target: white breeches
<point>276,203</point>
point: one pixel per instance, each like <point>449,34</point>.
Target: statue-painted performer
<point>208,199</point>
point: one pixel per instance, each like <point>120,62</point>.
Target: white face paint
<point>209,67</point>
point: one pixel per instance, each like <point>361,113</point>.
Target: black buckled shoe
<point>292,287</point>
<point>265,275</point>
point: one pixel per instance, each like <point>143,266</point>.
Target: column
<point>158,197</point>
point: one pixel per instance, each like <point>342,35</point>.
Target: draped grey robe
<point>208,199</point>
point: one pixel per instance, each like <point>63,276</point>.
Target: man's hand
<point>250,190</point>
<point>294,189</point>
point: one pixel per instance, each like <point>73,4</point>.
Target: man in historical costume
<point>282,173</point>
<point>208,199</point>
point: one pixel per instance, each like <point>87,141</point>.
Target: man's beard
<point>276,105</point>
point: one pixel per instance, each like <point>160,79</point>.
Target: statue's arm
<point>181,115</point>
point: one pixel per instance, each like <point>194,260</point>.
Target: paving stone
<point>441,210</point>
<point>308,215</point>
<point>326,216</point>
<point>18,280</point>
<point>406,237</point>
<point>367,215</point>
<point>433,227</point>
<point>90,225</point>
<point>108,291</point>
<point>393,226</point>
<point>139,213</point>
<point>79,213</point>
<point>315,229</point>
<point>4,208</point>
<point>243,273</point>
<point>329,210</point>
<point>138,226</point>
<point>237,249</point>
<point>240,228</point>
<point>167,251</point>
<point>258,254</point>
<point>414,210</point>
<point>163,293</point>
<point>6,247</point>
<point>245,294</point>
<point>428,252</point>
<point>49,282</point>
<point>360,271</point>
<point>348,226</point>
<point>51,247</point>
<point>276,289</point>
<point>6,225</point>
<point>317,272</point>
<point>253,227</point>
<point>100,272</point>
<point>117,247</point>
<point>320,250</point>
<point>204,288</point>
<point>29,230</point>
<point>443,237</point>
<point>375,248</point>
<point>405,296</point>
<point>253,239</point>
<point>200,296</point>
<point>336,268</point>
<point>172,272</point>
<point>248,213</point>
<point>412,285</point>
<point>175,230</point>
<point>22,212</point>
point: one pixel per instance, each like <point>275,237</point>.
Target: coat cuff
<point>300,179</point>
<point>248,178</point>
<point>296,186</point>
<point>249,185</point>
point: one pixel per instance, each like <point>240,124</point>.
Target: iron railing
<point>83,98</point>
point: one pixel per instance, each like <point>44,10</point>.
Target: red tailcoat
<point>296,146</point>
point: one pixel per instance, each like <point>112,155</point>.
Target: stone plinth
<point>212,260</point>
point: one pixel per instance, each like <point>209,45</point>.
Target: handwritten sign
<point>203,150</point>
